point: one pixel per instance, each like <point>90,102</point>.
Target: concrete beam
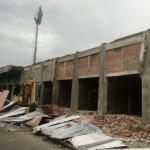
<point>102,91</point>
<point>124,42</point>
<point>89,52</point>
<point>122,73</point>
<point>66,58</point>
<point>88,76</point>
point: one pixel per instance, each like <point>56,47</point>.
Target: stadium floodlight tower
<point>38,18</point>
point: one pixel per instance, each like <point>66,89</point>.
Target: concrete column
<point>75,85</point>
<point>55,91</point>
<point>146,83</point>
<point>13,88</point>
<point>102,91</point>
<point>41,83</point>
<point>41,93</point>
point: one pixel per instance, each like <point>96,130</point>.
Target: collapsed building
<point>111,78</point>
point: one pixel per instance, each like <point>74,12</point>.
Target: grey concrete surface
<point>22,139</point>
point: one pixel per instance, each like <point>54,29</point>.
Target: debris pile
<point>54,109</point>
<point>58,125</point>
<point>121,125</point>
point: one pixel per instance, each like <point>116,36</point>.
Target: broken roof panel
<point>70,129</point>
<point>38,128</point>
<point>7,118</point>
<point>94,141</point>
<point>18,111</point>
<point>9,105</point>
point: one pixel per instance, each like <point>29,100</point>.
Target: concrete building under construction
<point>111,78</point>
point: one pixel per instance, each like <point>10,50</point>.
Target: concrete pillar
<point>41,83</point>
<point>102,91</point>
<point>13,88</point>
<point>146,83</point>
<point>75,85</point>
<point>41,93</point>
<point>55,91</point>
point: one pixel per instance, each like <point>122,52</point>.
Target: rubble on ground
<point>121,126</point>
<point>126,128</point>
<point>54,109</point>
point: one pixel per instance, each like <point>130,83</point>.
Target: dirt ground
<point>14,137</point>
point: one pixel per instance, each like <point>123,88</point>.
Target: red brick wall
<point>69,69</point>
<point>123,59</point>
<point>95,62</point>
<point>83,66</point>
<point>113,60</point>
<point>131,57</point>
<point>61,70</point>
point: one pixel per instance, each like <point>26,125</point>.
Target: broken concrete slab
<point>3,97</point>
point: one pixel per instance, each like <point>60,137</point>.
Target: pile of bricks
<point>123,126</point>
<point>54,109</point>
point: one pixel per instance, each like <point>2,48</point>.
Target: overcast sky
<point>67,26</point>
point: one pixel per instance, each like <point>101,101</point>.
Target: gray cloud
<point>67,26</point>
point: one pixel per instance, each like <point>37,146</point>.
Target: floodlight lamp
<point>38,16</point>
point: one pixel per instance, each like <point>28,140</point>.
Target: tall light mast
<point>38,18</point>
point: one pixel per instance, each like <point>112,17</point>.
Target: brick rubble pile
<point>54,109</point>
<point>121,125</point>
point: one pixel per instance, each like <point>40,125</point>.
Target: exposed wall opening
<point>125,94</point>
<point>17,90</point>
<point>64,98</point>
<point>88,94</point>
<point>3,87</point>
<point>10,91</point>
<point>0,88</point>
<point>47,96</point>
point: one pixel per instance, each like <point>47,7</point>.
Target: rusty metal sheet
<point>3,96</point>
<point>38,128</point>
<point>61,117</point>
<point>9,105</point>
<point>94,141</point>
<point>70,129</point>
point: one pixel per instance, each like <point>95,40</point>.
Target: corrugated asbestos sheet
<point>9,105</point>
<point>94,141</point>
<point>32,114</point>
<point>82,134</point>
<point>38,128</point>
<point>18,111</point>
<point>70,129</point>
<point>22,118</point>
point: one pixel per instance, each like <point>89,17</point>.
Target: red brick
<point>83,66</point>
<point>69,69</point>
<point>95,63</point>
